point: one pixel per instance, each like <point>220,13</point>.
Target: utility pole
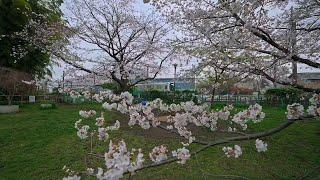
<point>175,74</point>
<point>94,79</point>
<point>63,74</point>
<point>194,76</point>
<point>293,41</point>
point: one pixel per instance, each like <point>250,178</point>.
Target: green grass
<point>36,144</point>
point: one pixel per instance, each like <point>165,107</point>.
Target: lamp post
<point>63,75</point>
<point>94,79</point>
<point>175,75</point>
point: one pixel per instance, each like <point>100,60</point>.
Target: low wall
<point>9,109</point>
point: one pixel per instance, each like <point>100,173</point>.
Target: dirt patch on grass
<point>153,132</point>
<point>201,133</point>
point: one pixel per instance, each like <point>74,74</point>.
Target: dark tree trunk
<point>9,98</point>
<point>124,85</point>
<point>212,98</point>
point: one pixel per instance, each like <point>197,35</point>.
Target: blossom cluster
<point>125,98</point>
<point>86,94</point>
<point>295,111</point>
<point>185,113</point>
<point>87,114</point>
<point>182,154</point>
<point>158,154</point>
<point>232,152</point>
<point>314,109</point>
<point>109,107</point>
<point>119,160</point>
<point>72,175</point>
<point>83,132</point>
<point>261,146</point>
<point>253,113</point>
<point>230,129</point>
<point>74,94</point>
<point>100,120</point>
<point>102,132</point>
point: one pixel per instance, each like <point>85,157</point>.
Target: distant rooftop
<point>309,75</point>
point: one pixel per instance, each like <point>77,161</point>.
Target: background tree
<point>217,77</point>
<point>15,82</point>
<point>120,42</point>
<point>15,51</point>
<point>258,34</point>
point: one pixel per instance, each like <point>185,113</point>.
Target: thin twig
<point>236,132</point>
<point>175,132</point>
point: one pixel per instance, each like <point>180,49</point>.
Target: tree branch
<point>227,140</point>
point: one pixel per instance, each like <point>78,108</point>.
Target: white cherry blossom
<point>182,154</point>
<point>83,132</point>
<point>295,111</point>
<point>232,152</point>
<point>87,114</point>
<point>158,154</point>
<point>261,146</point>
<point>103,135</point>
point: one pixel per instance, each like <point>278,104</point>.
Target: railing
<point>225,99</point>
<point>22,99</point>
<point>166,96</point>
<point>252,99</point>
<point>232,98</point>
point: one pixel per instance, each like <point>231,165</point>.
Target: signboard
<point>32,99</point>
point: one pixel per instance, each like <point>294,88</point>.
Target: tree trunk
<point>9,98</point>
<point>212,98</point>
<point>124,86</point>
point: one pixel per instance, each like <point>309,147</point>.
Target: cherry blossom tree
<point>15,51</point>
<point>240,34</point>
<point>119,41</point>
<point>260,35</point>
<point>216,76</point>
<point>119,160</point>
<point>14,82</point>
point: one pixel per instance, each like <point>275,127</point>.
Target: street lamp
<point>147,71</point>
<point>175,75</point>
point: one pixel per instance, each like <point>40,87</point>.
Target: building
<point>163,84</point>
<point>83,81</point>
<point>309,79</point>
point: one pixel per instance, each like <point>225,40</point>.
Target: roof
<point>309,75</point>
<point>169,80</point>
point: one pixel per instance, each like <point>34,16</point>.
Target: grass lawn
<point>36,144</point>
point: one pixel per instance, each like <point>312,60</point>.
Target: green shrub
<point>169,97</point>
<point>114,87</point>
<point>283,95</point>
<point>48,106</point>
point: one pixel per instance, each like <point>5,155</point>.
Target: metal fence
<point>252,99</point>
<point>171,98</point>
<point>22,99</point>
<point>243,99</point>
